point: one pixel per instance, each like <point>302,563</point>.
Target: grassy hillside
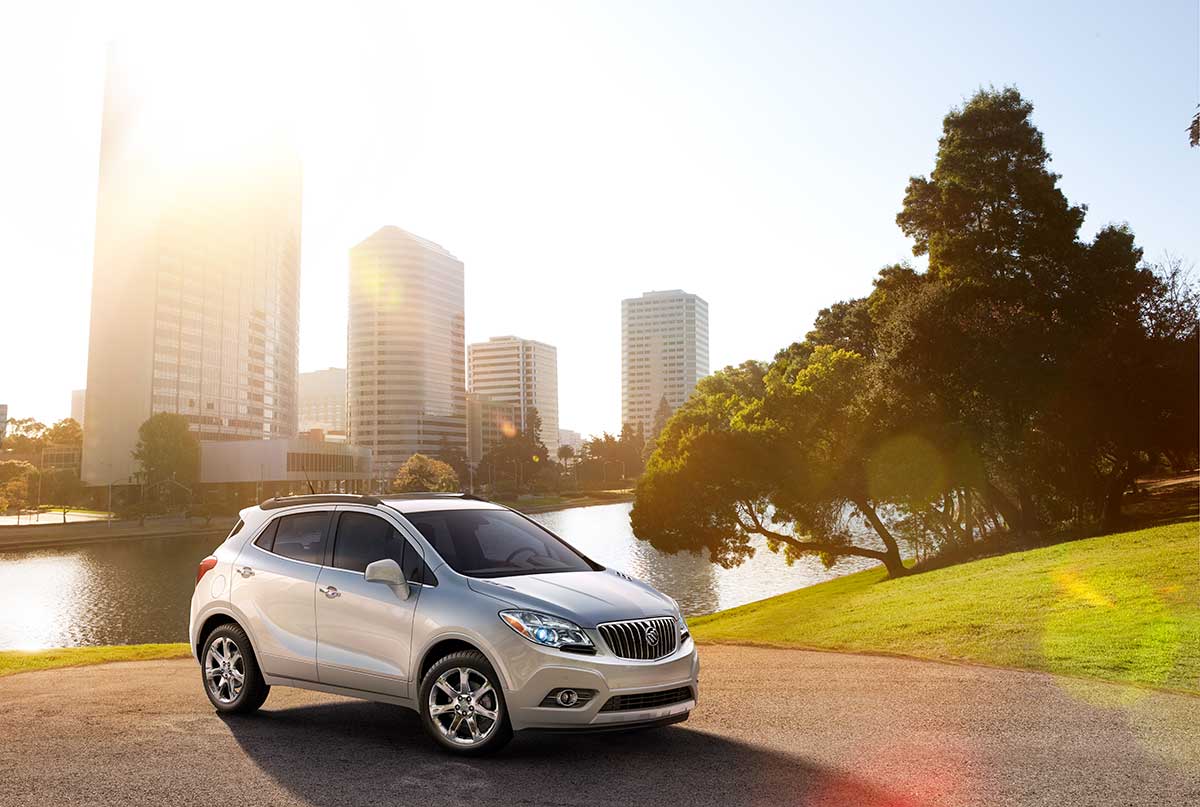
<point>16,661</point>
<point>1122,607</point>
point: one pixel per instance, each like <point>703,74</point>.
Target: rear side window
<point>267,538</point>
<point>301,537</point>
<point>363,539</point>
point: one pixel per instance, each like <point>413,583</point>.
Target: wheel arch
<point>444,646</point>
<point>216,619</point>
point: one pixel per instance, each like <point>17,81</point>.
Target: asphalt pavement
<point>774,727</point>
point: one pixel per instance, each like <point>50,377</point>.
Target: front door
<point>364,630</point>
<point>274,587</point>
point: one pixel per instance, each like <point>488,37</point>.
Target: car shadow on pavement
<point>364,753</point>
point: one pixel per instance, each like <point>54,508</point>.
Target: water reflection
<point>127,592</point>
<point>700,587</point>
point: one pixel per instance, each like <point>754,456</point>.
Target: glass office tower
<point>196,272</point>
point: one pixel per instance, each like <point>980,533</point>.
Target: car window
<point>495,543</point>
<point>267,537</point>
<point>363,539</point>
<point>301,537</point>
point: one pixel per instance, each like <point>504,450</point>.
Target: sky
<point>573,154</point>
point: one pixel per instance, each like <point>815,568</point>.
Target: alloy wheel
<point>464,706</point>
<point>224,670</point>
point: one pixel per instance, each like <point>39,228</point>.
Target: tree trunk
<point>1110,516</point>
<point>1004,506</point>
<point>891,557</point>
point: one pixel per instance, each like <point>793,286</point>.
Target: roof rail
<point>318,498</point>
<point>433,494</point>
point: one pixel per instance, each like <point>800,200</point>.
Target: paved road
<point>776,727</point>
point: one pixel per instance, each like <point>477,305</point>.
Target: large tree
<point>1036,346</point>
<point>778,451</point>
<point>421,473</point>
<point>66,432</point>
<point>167,449</point>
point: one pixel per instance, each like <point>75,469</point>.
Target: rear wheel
<point>462,705</point>
<point>230,672</point>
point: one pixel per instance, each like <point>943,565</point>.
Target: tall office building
<point>406,363</point>
<point>323,400</point>
<point>78,397</point>
<point>664,351</point>
<point>196,273</point>
<point>521,372</point>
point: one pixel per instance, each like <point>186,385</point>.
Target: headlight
<point>543,629</point>
<point>683,628</point>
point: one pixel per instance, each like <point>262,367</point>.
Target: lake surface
<point>129,592</point>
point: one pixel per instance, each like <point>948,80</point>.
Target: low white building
<point>286,465</point>
<point>574,439</point>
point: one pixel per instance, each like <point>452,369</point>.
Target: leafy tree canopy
<point>168,449</point>
<point>421,473</point>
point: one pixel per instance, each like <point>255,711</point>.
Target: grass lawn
<point>1122,607</point>
<point>16,661</point>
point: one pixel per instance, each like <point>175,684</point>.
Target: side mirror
<point>388,571</point>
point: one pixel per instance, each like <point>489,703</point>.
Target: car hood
<point>585,598</point>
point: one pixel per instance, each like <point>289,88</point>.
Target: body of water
<point>129,592</point>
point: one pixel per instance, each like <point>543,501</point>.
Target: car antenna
<point>309,481</point>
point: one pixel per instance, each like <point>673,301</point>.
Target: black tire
<point>497,735</point>
<point>232,644</point>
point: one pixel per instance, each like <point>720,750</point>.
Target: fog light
<point>568,697</point>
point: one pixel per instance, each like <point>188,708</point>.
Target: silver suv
<point>467,611</point>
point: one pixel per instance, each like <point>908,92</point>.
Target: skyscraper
<point>78,397</point>
<point>406,363</point>
<point>521,372</point>
<point>664,351</point>
<point>196,273</point>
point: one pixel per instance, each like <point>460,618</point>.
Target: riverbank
<point>547,504</point>
<point>54,536</point>
<point>19,661</point>
<point>1123,607</point>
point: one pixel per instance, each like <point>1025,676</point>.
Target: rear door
<point>364,630</point>
<point>274,587</point>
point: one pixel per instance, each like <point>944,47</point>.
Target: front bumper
<point>531,672</point>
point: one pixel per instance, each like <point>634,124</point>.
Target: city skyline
<point>718,159</point>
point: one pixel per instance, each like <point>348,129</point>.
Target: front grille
<point>647,700</point>
<point>632,639</point>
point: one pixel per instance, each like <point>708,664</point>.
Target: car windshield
<point>496,543</point>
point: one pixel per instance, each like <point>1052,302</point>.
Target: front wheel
<point>230,671</point>
<point>462,705</point>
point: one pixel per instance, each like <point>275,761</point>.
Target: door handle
<point>329,591</point>
<point>246,571</point>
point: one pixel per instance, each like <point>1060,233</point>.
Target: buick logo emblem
<point>652,635</point>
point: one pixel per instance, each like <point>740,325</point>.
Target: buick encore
<point>472,614</point>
